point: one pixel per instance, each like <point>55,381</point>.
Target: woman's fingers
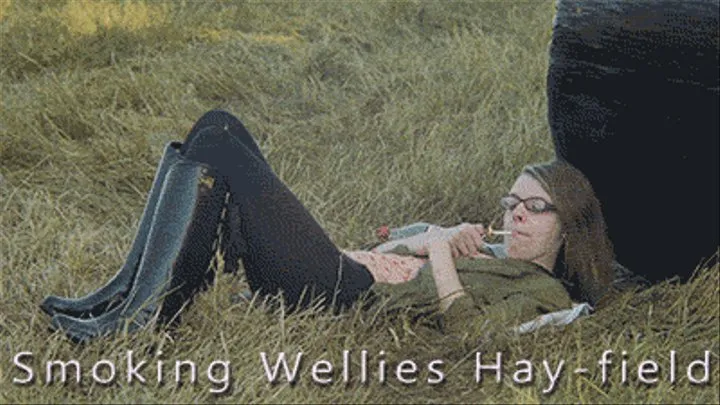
<point>461,242</point>
<point>477,232</point>
<point>467,239</point>
<point>469,243</point>
<point>455,251</point>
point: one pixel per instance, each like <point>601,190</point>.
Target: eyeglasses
<point>536,205</point>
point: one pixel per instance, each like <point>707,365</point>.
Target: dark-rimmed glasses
<point>536,205</point>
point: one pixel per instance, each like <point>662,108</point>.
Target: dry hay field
<point>373,113</point>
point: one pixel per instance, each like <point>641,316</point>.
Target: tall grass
<point>372,113</point>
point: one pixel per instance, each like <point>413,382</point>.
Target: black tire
<point>633,103</point>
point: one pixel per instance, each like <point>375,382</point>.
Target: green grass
<point>372,112</point>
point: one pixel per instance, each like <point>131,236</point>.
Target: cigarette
<point>493,232</point>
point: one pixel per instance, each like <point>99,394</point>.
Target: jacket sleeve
<point>465,319</point>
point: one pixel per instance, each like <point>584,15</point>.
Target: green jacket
<point>500,293</point>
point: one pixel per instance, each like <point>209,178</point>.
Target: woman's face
<point>536,236</point>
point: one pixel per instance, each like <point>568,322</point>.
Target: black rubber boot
<point>178,252</point>
<point>112,293</point>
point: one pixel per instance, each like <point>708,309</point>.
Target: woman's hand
<point>464,239</point>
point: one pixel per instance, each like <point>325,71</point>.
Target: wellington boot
<point>112,293</point>
<point>174,264</point>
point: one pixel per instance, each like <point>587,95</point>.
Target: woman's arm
<point>462,317</point>
<point>464,239</point>
<point>416,244</point>
<point>445,274</point>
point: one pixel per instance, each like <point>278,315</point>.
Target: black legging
<point>284,249</point>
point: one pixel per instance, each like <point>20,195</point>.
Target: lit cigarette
<point>493,232</point>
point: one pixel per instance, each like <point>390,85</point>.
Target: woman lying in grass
<point>557,248</point>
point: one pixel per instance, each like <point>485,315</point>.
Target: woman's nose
<point>519,214</point>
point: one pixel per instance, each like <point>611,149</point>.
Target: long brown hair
<point>586,256</point>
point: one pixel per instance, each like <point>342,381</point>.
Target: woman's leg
<point>286,250</point>
<point>231,242</point>
<point>227,121</point>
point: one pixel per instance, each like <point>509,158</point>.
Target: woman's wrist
<point>450,297</point>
